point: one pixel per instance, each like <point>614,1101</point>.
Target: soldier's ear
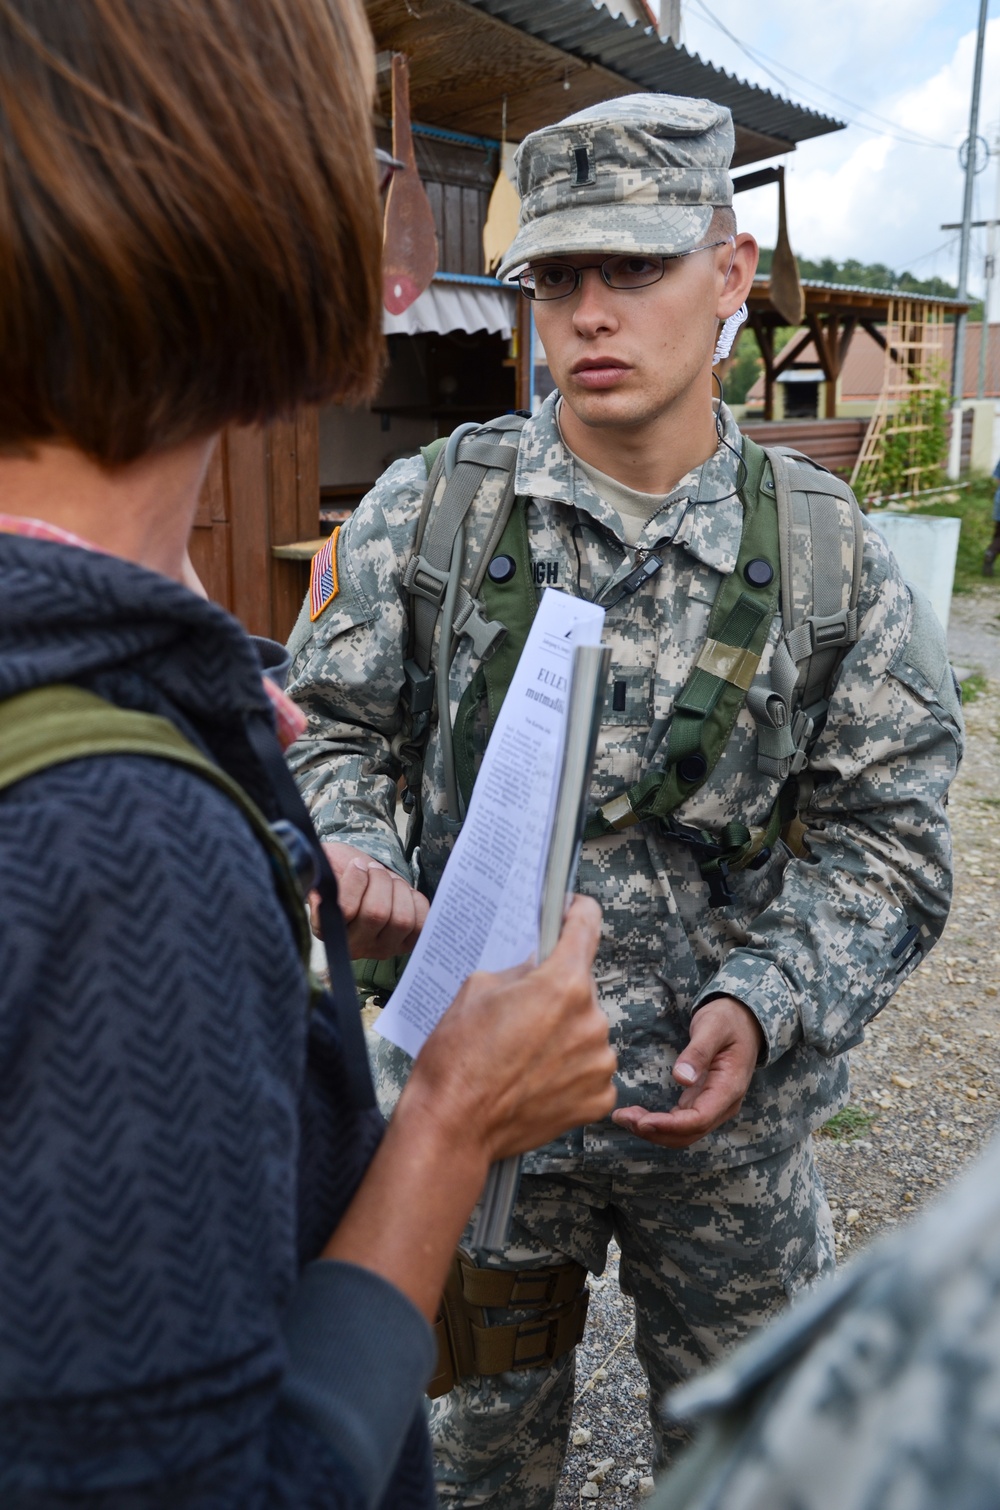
<point>739,275</point>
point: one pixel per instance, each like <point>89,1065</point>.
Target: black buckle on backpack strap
<point>419,688</point>
<point>425,580</point>
<point>833,631</point>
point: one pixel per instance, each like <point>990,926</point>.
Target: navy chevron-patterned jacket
<point>174,1147</point>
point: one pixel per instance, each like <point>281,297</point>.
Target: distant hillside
<point>864,275</point>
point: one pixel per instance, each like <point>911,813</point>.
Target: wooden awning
<point>833,313</point>
<point>464,60</point>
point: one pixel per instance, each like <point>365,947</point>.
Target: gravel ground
<point>925,1095</point>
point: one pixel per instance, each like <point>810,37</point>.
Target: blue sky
<point>862,192</point>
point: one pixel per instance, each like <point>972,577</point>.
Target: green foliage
<point>974,506</point>
<point>869,275</point>
<point>974,686</point>
<point>848,1124</point>
<point>903,447</point>
<point>744,370</point>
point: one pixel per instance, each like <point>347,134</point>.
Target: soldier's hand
<point>383,914</point>
<point>715,1069</point>
<point>522,1055</point>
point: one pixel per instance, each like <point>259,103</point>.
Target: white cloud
<point>853,194</point>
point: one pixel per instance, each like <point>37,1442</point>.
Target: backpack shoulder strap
<point>512,602</point>
<point>457,468</point>
<point>821,544</point>
<point>49,726</point>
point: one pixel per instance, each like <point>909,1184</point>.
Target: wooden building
<point>463,351</point>
<point>834,314</point>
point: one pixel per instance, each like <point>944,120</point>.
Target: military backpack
<point>800,552</point>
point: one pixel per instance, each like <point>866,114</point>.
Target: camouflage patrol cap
<point>638,174</point>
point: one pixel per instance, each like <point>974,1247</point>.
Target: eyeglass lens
<point>557,280</point>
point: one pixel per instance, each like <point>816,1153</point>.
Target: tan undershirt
<point>634,509</point>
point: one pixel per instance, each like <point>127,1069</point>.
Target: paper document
<point>485,913</point>
<point>587,686</point>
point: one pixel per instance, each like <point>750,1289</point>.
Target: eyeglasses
<point>386,165</point>
<point>627,270</point>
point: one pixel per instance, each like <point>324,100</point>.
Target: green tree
<point>745,368</point>
<point>870,275</point>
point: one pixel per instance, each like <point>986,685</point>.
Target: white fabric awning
<point>456,306</point>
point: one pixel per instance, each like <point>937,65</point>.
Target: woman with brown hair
<point>216,1273</point>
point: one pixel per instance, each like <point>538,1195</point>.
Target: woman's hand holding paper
<point>519,1057</point>
<point>522,1055</point>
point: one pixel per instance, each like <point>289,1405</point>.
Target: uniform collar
<point>708,530</point>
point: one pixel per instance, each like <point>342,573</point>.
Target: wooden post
<point>765,340</point>
<point>523,374</point>
<point>832,372</point>
<point>249,531</point>
<point>262,490</point>
<point>293,466</point>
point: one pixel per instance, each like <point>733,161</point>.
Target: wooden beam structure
<point>834,312</point>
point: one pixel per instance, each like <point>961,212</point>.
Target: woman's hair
<point>190,230</point>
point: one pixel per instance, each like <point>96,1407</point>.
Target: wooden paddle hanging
<point>503,214</point>
<point>409,245</point>
<point>786,289</point>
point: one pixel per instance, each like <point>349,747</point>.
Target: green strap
<point>707,707</point>
<point>514,603</point>
<point>49,726</point>
<point>432,452</point>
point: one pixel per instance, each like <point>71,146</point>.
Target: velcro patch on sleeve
<point>323,581</point>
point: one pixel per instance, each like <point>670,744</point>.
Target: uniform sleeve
<point>347,674</point>
<point>853,917</point>
<point>157,1343</point>
<point>880,1389</point>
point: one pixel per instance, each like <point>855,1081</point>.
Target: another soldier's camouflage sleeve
<point>881,1391</point>
<point>347,673</point>
<point>817,963</point>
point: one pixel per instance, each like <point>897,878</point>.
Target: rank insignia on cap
<point>323,582</point>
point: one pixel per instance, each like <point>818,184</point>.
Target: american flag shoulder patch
<point>323,582</point>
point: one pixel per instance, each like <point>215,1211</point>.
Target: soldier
<point>882,1390</point>
<point>731,992</point>
<point>993,549</point>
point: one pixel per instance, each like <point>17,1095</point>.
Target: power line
<point>757,57</point>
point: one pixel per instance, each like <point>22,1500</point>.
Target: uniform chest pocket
<point>629,699</point>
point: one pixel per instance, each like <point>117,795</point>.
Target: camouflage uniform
<point>714,1237</point>
<point>879,1392</point>
<point>706,1257</point>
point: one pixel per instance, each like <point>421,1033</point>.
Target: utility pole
<point>958,366</point>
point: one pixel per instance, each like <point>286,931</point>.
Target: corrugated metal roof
<point>876,293</point>
<point>639,55</point>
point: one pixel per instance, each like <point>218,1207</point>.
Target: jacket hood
<point>137,638</point>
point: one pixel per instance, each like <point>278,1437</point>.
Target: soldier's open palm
<point>715,1070</point>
